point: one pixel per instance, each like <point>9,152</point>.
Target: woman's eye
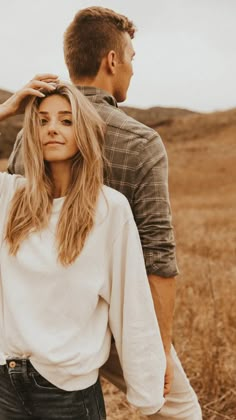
<point>42,121</point>
<point>67,122</point>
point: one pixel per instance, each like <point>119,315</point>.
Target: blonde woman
<point>72,269</point>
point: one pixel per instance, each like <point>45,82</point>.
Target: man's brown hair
<point>94,32</point>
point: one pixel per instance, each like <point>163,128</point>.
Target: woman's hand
<point>17,102</point>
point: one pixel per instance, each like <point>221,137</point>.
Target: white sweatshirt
<point>63,318</point>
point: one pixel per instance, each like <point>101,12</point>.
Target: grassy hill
<point>8,129</point>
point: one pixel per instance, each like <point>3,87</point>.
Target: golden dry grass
<point>202,178</point>
<point>3,164</point>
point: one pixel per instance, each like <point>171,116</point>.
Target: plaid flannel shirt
<point>139,170</point>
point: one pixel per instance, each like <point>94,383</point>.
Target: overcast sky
<point>185,49</point>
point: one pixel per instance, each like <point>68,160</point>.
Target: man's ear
<point>112,61</point>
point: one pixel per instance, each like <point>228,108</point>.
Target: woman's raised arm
<point>17,102</point>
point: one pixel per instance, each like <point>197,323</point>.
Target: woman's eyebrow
<point>59,112</point>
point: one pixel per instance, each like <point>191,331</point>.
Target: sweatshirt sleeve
<point>134,324</point>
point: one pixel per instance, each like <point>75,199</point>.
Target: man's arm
<point>163,293</point>
<point>15,161</point>
<point>153,217</point>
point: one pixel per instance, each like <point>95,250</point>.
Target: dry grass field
<point>202,187</point>
<point>3,164</point>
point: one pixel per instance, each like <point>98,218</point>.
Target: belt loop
<point>25,369</point>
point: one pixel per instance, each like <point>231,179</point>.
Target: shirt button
<point>12,364</point>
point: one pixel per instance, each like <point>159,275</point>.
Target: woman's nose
<point>52,127</point>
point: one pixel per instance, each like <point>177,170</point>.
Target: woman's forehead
<point>55,103</point>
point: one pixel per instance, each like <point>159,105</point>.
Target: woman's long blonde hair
<point>32,204</point>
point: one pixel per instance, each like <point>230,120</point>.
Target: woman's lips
<point>53,143</point>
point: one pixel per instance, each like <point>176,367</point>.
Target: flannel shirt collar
<point>98,95</point>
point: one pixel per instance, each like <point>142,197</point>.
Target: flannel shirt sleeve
<point>152,211</point>
<point>15,162</point>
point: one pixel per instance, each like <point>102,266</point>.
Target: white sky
<point>185,49</point>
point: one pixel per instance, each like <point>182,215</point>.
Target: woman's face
<point>56,130</point>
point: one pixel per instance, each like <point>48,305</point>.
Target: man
<point>98,53</point>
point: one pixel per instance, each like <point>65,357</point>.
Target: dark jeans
<point>25,395</point>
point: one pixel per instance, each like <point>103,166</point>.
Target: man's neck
<point>97,82</point>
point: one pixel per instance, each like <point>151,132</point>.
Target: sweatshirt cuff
<point>148,411</point>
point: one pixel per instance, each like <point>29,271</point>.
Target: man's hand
<point>17,102</point>
<point>163,294</point>
<point>169,375</point>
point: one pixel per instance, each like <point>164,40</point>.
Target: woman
<point>72,269</point>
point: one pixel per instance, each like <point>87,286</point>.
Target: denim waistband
<point>16,364</point>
